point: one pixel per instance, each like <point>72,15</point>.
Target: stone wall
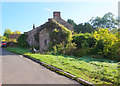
<point>44,39</point>
<point>30,39</point>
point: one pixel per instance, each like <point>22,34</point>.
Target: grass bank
<point>96,71</point>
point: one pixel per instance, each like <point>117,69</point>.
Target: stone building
<point>43,32</point>
<point>13,37</point>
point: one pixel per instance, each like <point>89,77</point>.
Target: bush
<point>22,42</point>
<point>64,49</point>
<point>11,44</point>
<point>85,40</point>
<point>85,43</point>
<point>107,43</point>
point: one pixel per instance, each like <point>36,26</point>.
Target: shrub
<point>107,43</point>
<point>22,42</point>
<point>65,49</point>
<point>85,43</point>
<point>85,40</point>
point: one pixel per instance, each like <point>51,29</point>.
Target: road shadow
<point>5,52</point>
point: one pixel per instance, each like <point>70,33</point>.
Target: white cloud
<point>48,9</point>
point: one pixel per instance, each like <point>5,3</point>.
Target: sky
<point>20,15</point>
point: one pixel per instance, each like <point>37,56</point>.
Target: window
<point>45,42</point>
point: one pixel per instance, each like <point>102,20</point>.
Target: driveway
<point>19,70</point>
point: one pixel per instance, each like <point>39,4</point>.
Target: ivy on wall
<point>57,33</point>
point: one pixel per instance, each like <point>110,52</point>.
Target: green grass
<point>17,50</point>
<point>97,71</point>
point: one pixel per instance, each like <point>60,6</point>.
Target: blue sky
<point>21,16</point>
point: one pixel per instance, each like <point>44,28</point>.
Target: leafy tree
<point>70,21</point>
<point>7,32</point>
<point>107,43</point>
<point>4,38</point>
<point>83,28</point>
<point>96,22</point>
<point>16,32</point>
<point>107,21</point>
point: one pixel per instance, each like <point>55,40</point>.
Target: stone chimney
<point>33,26</point>
<point>56,15</point>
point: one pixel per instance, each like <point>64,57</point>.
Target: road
<point>19,70</point>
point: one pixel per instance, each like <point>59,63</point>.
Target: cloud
<point>48,9</point>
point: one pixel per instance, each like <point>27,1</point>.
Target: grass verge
<point>96,71</point>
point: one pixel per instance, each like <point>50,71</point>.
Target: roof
<point>13,36</point>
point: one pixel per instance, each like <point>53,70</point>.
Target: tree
<point>107,43</point>
<point>70,21</point>
<point>7,32</point>
<point>83,28</point>
<point>16,32</point>
<point>107,21</point>
<point>96,22</point>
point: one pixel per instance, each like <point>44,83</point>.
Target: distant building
<point>13,36</point>
<point>119,14</point>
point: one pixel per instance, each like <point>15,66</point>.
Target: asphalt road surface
<point>19,70</point>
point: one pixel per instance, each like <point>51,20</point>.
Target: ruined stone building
<point>43,31</point>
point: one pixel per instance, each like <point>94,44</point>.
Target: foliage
<point>83,28</point>
<point>107,43</point>
<point>61,39</point>
<point>70,21</point>
<point>5,36</point>
<point>7,32</point>
<point>64,49</point>
<point>16,32</point>
<point>58,33</point>
<point>22,42</point>
<point>84,40</point>
<point>107,21</point>
<point>85,43</point>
